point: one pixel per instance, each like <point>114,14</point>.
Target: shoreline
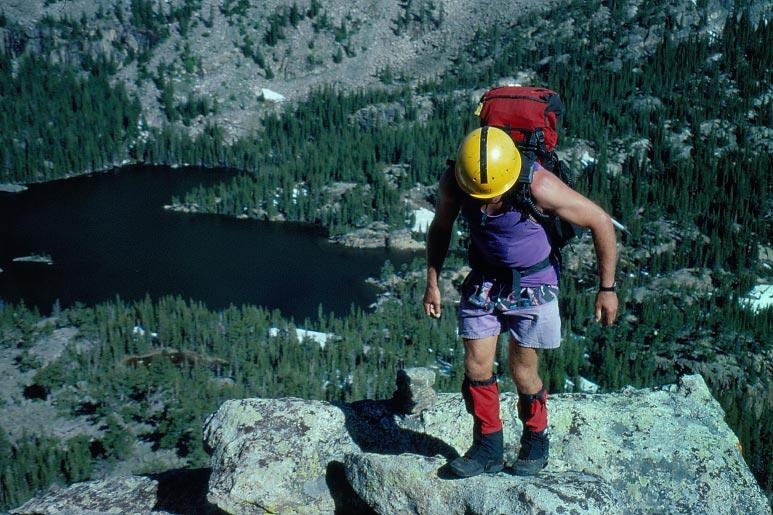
<point>376,236</point>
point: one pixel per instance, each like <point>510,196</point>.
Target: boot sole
<point>530,468</point>
<point>491,469</point>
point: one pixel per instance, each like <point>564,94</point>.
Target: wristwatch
<point>608,288</point>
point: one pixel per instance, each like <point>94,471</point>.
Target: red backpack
<point>530,116</point>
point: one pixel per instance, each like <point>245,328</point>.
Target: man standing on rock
<point>513,287</point>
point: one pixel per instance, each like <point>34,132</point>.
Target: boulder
<point>402,239</point>
<point>411,484</point>
<point>274,455</point>
<point>656,450</point>
<point>664,449</point>
<point>174,491</point>
<point>7,187</point>
<point>374,235</point>
<point>123,495</point>
<point>414,391</point>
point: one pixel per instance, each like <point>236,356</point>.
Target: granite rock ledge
<point>656,450</point>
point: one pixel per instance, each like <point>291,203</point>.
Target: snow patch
<point>138,330</point>
<point>760,297</point>
<point>586,159</point>
<point>271,96</point>
<point>583,385</point>
<point>423,218</point>
<point>301,334</point>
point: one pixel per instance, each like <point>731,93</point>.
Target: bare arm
<point>553,196</point>
<point>438,239</point>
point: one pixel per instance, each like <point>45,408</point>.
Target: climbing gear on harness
<point>527,297</point>
<point>494,285</point>
<point>481,398</point>
<point>480,297</point>
<point>487,163</point>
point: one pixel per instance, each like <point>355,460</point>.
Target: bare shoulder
<point>447,204</point>
<point>548,190</point>
<point>448,190</point>
<point>551,194</point>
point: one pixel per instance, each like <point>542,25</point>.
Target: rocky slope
<point>230,51</point>
<point>664,450</point>
<point>215,48</point>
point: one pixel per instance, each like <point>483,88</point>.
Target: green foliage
<point>118,440</point>
<point>183,13</point>
<point>33,463</point>
<point>418,16</point>
<point>234,8</point>
<point>338,56</point>
<point>195,106</point>
<point>55,123</point>
<point>314,9</point>
<point>251,50</point>
<point>152,25</point>
<point>276,24</point>
<point>321,22</point>
<point>295,15</point>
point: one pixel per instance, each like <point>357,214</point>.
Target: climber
<point>512,287</point>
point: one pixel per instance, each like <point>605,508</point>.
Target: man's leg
<point>532,409</point>
<point>524,367</point>
<point>481,397</point>
<point>479,357</point>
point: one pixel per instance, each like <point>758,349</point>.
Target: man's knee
<point>478,368</point>
<point>479,358</point>
<point>526,379</point>
<point>524,367</point>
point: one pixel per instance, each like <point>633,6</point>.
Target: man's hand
<point>432,301</point>
<point>606,307</point>
<point>438,239</point>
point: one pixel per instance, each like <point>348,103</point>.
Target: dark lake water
<point>109,235</point>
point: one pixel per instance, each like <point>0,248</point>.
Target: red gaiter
<point>482,401</point>
<point>533,411</point>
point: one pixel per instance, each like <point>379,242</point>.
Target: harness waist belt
<point>516,272</point>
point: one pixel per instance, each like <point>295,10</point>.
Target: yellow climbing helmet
<point>487,163</point>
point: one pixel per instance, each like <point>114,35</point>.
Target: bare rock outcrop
<point>656,450</point>
<point>664,449</point>
<point>128,495</point>
<point>411,484</point>
<point>273,455</point>
<point>174,491</point>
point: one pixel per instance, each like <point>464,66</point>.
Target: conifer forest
<point>157,385</point>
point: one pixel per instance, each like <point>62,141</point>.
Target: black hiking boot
<point>533,455</point>
<point>485,456</point>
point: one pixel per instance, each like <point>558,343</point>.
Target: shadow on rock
<point>184,491</point>
<point>375,426</point>
<point>347,501</point>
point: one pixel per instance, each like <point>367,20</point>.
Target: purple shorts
<point>537,325</point>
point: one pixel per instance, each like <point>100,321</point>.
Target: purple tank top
<point>508,240</point>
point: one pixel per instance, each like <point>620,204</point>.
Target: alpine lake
<point>107,235</point>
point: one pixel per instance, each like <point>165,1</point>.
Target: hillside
<point>227,52</point>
